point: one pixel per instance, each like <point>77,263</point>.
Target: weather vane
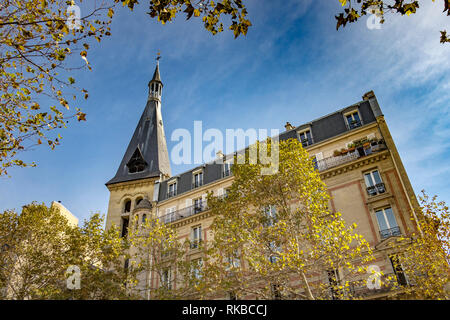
<point>158,56</point>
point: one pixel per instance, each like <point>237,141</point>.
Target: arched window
<point>144,217</point>
<point>127,206</point>
<point>138,200</point>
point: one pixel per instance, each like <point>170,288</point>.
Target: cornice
<point>360,162</point>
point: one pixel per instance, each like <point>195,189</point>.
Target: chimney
<point>219,154</point>
<point>368,95</point>
<point>288,126</point>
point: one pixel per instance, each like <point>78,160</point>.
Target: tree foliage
<point>39,245</point>
<point>355,9</point>
<point>275,236</point>
<point>425,257</point>
<point>159,253</point>
<point>212,13</point>
<point>38,93</point>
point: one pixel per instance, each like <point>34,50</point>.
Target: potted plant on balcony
<point>336,153</point>
<point>344,151</point>
<point>351,147</point>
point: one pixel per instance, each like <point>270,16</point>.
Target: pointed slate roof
<point>156,75</point>
<point>146,155</point>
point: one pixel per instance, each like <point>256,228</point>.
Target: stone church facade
<point>353,151</point>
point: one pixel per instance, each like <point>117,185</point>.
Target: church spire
<point>155,85</point>
<point>147,155</point>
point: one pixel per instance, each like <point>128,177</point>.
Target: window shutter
<point>220,192</point>
<point>319,156</point>
<point>204,199</point>
<point>188,202</point>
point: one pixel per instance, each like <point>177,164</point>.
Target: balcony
<point>354,124</point>
<point>183,213</point>
<point>376,189</point>
<point>335,161</point>
<point>197,183</point>
<point>360,289</point>
<point>392,232</point>
<point>172,193</point>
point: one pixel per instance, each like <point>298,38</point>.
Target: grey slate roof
<point>149,139</point>
<point>156,75</point>
<point>323,128</point>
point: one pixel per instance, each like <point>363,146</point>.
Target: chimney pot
<point>288,126</point>
<point>368,95</point>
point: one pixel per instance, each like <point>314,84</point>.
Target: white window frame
<point>304,133</point>
<point>170,214</point>
<point>166,278</point>
<point>174,185</point>
<point>194,175</point>
<point>352,113</point>
<point>389,227</point>
<point>196,236</point>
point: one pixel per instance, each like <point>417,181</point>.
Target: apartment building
<point>352,149</point>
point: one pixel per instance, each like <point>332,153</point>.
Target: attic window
<point>136,163</point>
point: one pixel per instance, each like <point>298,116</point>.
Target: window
<point>198,205</point>
<point>196,267</point>
<point>353,120</point>
<point>196,237</point>
<point>170,215</point>
<point>144,218</point>
<point>227,168</point>
<point>233,260</point>
<point>138,200</point>
<point>127,206</point>
<point>172,190</point>
<point>166,279</point>
<point>398,270</point>
<point>124,227</point>
<point>273,252</point>
<point>305,138</point>
<point>198,179</point>
<point>387,223</point>
<point>374,184</point>
<point>270,214</point>
<point>137,162</point>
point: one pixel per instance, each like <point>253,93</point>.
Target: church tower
<point>145,163</point>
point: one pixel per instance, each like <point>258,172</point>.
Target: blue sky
<point>292,66</point>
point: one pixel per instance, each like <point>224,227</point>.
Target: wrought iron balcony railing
<point>172,193</point>
<point>197,183</point>
<point>392,232</point>
<point>379,188</point>
<point>183,213</point>
<point>354,124</point>
<point>335,161</point>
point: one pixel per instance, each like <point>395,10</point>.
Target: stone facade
<point>368,184</point>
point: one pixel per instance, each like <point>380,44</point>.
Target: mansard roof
<point>324,128</point>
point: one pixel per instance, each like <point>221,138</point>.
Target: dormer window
<point>353,120</point>
<point>172,189</point>
<point>227,168</point>
<point>137,162</point>
<point>198,179</point>
<point>306,138</point>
